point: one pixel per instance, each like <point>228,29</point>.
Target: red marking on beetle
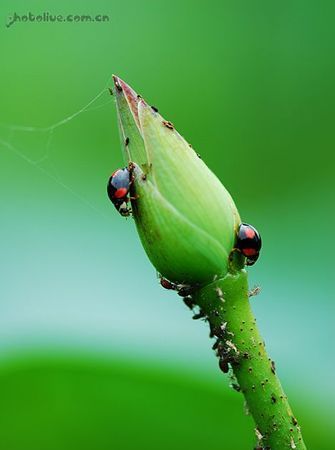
<point>249,233</point>
<point>223,364</point>
<point>166,284</point>
<point>119,193</point>
<point>249,252</point>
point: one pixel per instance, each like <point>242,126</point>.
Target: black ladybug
<point>118,189</point>
<point>249,242</point>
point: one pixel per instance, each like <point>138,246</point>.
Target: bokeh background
<point>93,353</point>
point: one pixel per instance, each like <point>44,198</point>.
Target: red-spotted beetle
<point>118,189</point>
<point>248,242</point>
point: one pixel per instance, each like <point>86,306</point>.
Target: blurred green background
<point>93,353</point>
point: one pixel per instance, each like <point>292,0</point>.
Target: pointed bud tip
<point>187,230</point>
<point>133,99</point>
<point>117,83</point>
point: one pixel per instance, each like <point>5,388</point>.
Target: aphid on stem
<point>168,124</point>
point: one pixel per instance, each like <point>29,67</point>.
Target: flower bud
<point>185,217</point>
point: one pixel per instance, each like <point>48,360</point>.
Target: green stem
<point>226,305</point>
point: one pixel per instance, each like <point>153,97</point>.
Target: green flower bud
<point>185,217</point>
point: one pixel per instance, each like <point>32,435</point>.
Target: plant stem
<point>226,305</point>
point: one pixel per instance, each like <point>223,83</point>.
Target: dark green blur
<point>51,403</point>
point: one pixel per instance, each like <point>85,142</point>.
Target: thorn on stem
<point>254,291</point>
<point>258,434</point>
<point>293,446</point>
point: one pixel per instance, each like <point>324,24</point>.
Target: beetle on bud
<point>118,189</point>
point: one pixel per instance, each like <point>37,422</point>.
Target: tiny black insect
<point>199,315</point>
<point>294,421</point>
<point>168,124</point>
<point>184,290</point>
<point>220,330</point>
<point>223,364</point>
<point>189,302</point>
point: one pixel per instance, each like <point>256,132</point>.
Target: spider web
<point>10,131</point>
